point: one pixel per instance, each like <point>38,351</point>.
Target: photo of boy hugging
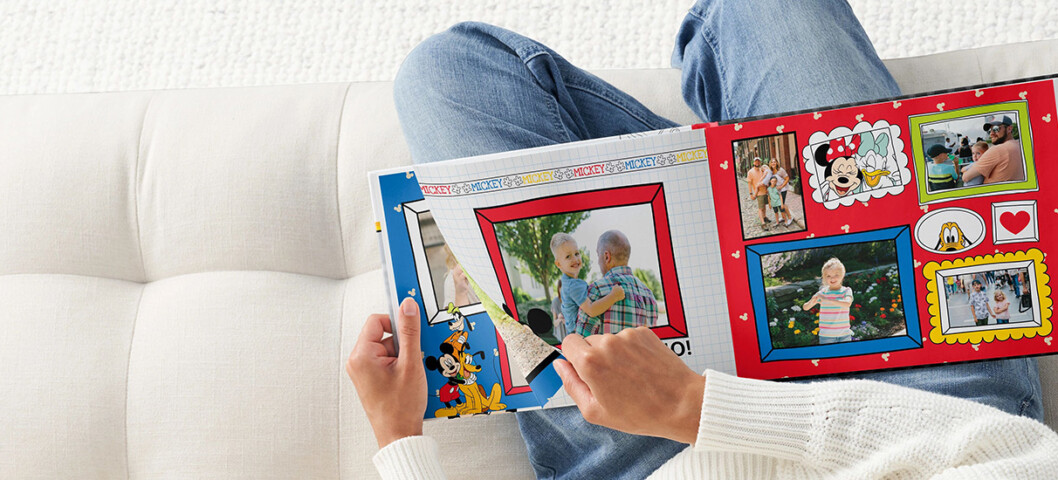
<point>834,300</point>
<point>572,290</point>
<point>944,172</point>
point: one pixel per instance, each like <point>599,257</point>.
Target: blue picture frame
<point>396,191</point>
<point>901,236</point>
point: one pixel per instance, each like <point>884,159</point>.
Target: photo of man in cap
<point>1003,162</point>
<point>757,191</point>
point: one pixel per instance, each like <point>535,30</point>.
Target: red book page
<point>922,248</point>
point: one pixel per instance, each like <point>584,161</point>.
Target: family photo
<point>988,297</point>
<point>589,272</point>
<point>835,294</point>
<point>769,189</point>
<point>973,150</point>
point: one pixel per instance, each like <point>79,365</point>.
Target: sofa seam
<point>143,269</point>
<point>63,274</point>
<point>337,182</point>
<point>341,338</point>
<point>128,369</point>
<point>136,187</point>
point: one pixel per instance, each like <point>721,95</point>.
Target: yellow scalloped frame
<point>1042,291</point>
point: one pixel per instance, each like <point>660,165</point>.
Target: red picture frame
<point>650,194</point>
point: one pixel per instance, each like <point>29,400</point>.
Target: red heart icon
<point>1014,222</point>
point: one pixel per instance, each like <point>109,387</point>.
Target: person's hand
<point>392,387</point>
<point>459,278</point>
<point>462,286</point>
<point>618,293</point>
<point>633,383</point>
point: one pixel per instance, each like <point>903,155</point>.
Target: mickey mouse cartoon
<point>841,173</point>
<point>460,371</point>
<point>448,366</point>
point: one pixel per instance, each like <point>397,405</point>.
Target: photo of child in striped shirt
<point>834,294</point>
<point>834,300</point>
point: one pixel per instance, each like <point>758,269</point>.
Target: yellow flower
<point>816,331</point>
<point>797,331</point>
<point>817,322</point>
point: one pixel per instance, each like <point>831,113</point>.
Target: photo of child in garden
<point>836,294</point>
<point>834,300</point>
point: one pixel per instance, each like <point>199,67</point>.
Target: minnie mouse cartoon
<point>842,173</point>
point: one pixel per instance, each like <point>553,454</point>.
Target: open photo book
<point>891,234</point>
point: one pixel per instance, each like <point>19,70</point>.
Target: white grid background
<point>688,200</point>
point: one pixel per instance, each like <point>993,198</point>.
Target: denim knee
<point>430,65</point>
<point>769,56</point>
<point>439,87</point>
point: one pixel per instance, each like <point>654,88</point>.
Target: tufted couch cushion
<point>182,274</point>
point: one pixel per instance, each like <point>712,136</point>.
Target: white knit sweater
<point>842,430</point>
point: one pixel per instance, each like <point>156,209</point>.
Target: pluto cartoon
<point>456,365</point>
<point>951,238</point>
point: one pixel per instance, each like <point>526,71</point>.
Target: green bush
<point>520,296</point>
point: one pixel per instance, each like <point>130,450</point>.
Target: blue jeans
<point>478,89</point>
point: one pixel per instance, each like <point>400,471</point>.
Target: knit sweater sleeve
<point>856,429</point>
<point>410,458</point>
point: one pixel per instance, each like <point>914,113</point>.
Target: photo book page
<point>890,234</point>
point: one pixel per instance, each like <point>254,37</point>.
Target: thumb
<point>407,331</point>
<point>574,385</point>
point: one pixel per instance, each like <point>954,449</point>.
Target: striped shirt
<point>834,319</point>
<point>639,307</point>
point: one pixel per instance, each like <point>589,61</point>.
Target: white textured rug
<point>55,46</point>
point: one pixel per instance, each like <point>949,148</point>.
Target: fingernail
<point>560,369</point>
<point>410,307</point>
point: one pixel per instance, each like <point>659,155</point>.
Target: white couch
<point>183,273</point>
